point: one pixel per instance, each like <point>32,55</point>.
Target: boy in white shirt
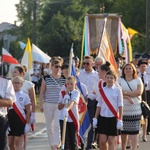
<point>68,104</point>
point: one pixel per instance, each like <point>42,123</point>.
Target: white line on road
<point>37,133</point>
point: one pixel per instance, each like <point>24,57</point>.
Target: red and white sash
<point>106,99</point>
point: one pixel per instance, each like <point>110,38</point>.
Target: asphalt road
<point>38,139</point>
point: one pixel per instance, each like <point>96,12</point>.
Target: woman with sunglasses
<point>49,96</point>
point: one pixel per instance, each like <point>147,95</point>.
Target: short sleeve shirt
<point>6,91</point>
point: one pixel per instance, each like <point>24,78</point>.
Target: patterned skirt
<point>131,118</point>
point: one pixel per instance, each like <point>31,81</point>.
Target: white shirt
<point>75,95</point>
<point>22,99</point>
<point>89,79</point>
<point>26,86</point>
<point>6,91</point>
<point>146,79</point>
<point>84,89</point>
<point>114,95</point>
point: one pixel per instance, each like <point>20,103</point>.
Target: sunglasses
<point>86,63</point>
<point>57,66</point>
<point>17,83</point>
<point>65,66</point>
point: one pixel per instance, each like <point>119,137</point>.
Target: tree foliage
<point>59,23</point>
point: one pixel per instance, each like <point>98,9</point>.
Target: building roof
<point>6,26</point>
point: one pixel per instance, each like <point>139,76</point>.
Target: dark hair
<point>20,69</point>
<point>105,67</point>
<point>65,66</point>
<point>111,72</point>
<point>76,59</point>
<point>25,68</point>
<point>135,75</point>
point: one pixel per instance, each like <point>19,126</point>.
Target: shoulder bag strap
<point>128,84</point>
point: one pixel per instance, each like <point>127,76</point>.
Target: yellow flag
<point>132,31</point>
<point>129,42</point>
<point>29,51</point>
<point>27,59</point>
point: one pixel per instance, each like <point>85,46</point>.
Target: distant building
<point>5,35</point>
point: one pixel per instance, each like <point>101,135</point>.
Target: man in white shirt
<point>89,77</point>
<point>7,96</point>
<point>142,65</point>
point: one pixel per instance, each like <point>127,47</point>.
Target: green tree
<point>62,27</point>
<point>132,15</point>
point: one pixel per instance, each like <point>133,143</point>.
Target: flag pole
<point>2,68</point>
<point>70,59</point>
<point>105,20</point>
<point>65,119</point>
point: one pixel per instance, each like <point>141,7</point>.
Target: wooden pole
<point>65,120</point>
<point>64,133</point>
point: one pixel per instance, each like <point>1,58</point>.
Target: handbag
<point>145,109</point>
<point>144,106</point>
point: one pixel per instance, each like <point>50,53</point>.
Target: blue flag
<point>22,45</point>
<point>82,106</point>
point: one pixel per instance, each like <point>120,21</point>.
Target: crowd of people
<point>113,102</point>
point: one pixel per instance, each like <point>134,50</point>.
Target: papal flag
<point>27,58</point>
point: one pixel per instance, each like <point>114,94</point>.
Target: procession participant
<point>68,104</point>
<point>28,88</point>
<point>110,104</point>
<point>18,126</point>
<point>98,61</point>
<point>132,88</point>
<point>7,97</point>
<point>49,97</point>
<point>35,76</point>
<point>142,65</point>
<point>102,70</point>
<point>89,77</point>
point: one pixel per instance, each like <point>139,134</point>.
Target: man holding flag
<point>89,77</point>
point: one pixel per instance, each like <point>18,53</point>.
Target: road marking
<point>37,133</point>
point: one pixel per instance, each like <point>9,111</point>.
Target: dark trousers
<point>3,129</point>
<point>148,102</point>
<point>36,87</point>
<point>70,138</point>
<point>91,109</point>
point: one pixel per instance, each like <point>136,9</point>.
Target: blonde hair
<point>71,78</point>
<point>18,78</point>
<point>89,57</point>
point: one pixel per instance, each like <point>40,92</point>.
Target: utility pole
<point>34,22</point>
<point>147,41</point>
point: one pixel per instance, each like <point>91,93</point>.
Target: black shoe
<point>128,147</point>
